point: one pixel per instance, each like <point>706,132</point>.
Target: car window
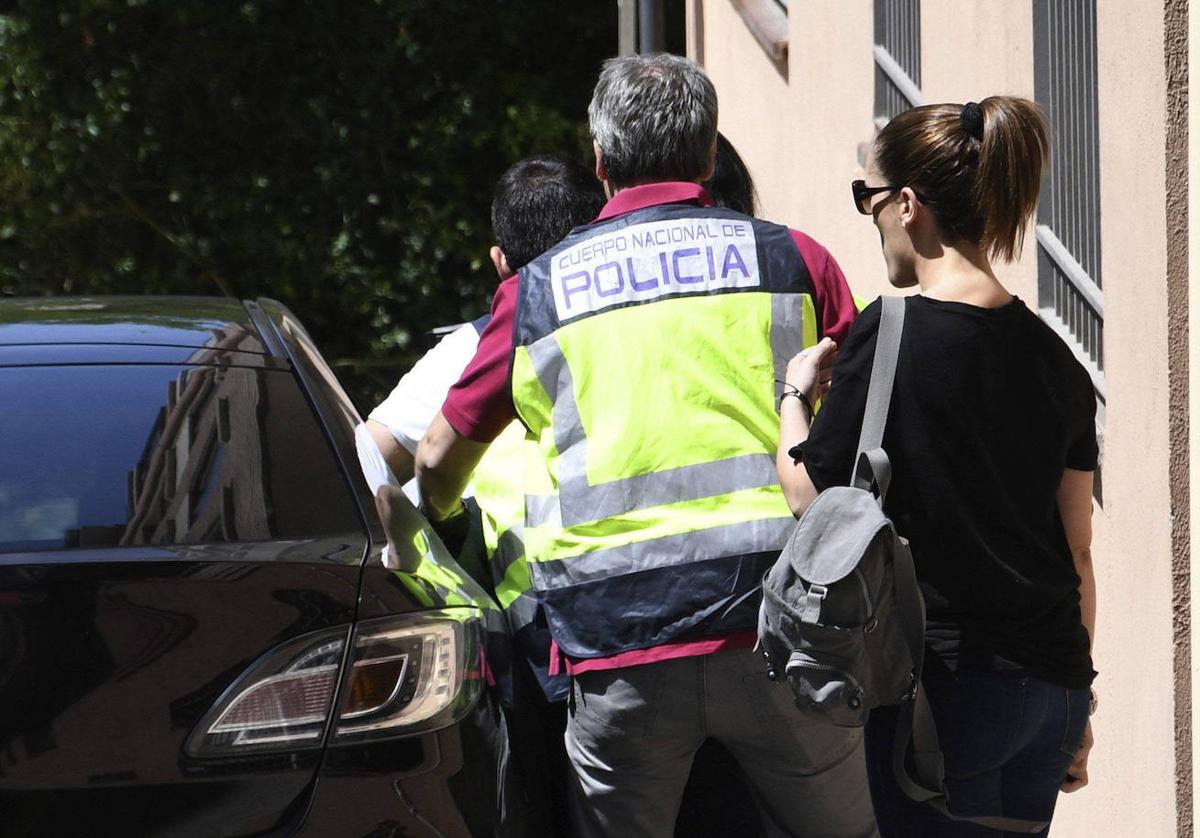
<point>98,456</point>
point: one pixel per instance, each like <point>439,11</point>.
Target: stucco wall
<point>1193,223</point>
<point>1133,787</point>
<point>804,137</point>
<point>1175,160</point>
<point>801,138</point>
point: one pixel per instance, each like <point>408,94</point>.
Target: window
<point>176,455</point>
<point>897,58</point>
<point>1070,296</point>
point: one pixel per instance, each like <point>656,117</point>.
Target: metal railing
<point>1070,295</point>
<point>1072,304</point>
<point>897,58</point>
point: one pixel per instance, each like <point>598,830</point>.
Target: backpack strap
<point>872,471</point>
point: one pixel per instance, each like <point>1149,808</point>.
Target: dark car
<point>200,630</point>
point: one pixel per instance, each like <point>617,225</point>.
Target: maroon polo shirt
<point>479,406</point>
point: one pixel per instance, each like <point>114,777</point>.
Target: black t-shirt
<point>988,408</point>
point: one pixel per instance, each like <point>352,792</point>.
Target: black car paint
<point>111,656</point>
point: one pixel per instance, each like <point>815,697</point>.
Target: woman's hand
<point>810,371</point>
<point>1077,776</point>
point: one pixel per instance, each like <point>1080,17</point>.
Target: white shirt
<point>409,409</point>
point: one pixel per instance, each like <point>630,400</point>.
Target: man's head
<point>536,203</point>
<point>653,118</point>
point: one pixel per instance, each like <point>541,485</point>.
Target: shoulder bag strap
<point>872,471</point>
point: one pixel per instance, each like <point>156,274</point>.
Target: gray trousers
<point>633,732</point>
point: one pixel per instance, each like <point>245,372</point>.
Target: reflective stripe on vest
<point>431,581</point>
<point>510,464</point>
<point>792,315</point>
<point>499,488</point>
<point>646,353</point>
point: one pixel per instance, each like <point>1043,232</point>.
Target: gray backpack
<point>842,618</point>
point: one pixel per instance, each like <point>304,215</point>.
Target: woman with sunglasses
<point>991,436</point>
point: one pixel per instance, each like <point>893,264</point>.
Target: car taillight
<point>413,673</point>
<point>282,702</point>
<point>406,675</point>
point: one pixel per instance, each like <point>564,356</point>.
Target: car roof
<point>148,329</point>
<point>194,322</point>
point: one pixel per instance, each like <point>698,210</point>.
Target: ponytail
<point>980,165</point>
<point>1010,172</point>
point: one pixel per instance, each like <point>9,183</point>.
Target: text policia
<point>655,259</point>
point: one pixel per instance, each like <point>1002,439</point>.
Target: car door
<point>171,518</point>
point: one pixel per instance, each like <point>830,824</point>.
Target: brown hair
<point>980,166</point>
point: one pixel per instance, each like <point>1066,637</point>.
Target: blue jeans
<point>1007,739</point>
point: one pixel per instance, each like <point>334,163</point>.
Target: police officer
<point>536,202</point>
<point>641,353</point>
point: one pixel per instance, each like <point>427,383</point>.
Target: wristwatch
<point>1093,701</point>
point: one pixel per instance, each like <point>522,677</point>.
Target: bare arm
<point>444,462</point>
<point>798,488</point>
<point>809,372</point>
<point>399,459</point>
<point>1075,508</point>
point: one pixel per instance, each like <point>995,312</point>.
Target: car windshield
<point>101,456</point>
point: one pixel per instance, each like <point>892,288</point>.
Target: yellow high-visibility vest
<point>647,351</point>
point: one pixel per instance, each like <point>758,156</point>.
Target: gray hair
<point>654,118</point>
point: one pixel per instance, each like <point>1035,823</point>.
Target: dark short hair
<point>537,202</point>
<point>654,118</point>
<point>731,185</point>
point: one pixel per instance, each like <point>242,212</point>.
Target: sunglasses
<point>863,194</point>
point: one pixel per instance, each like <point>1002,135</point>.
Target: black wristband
<point>804,401</point>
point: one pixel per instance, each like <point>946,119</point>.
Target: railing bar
<point>1071,269</point>
<point>1095,336</point>
<point>1077,313</point>
<point>1085,186</point>
<point>1094,150</point>
<point>1093,370</point>
<point>1085,227</point>
<point>897,76</point>
<point>1072,239</point>
<point>911,62</point>
<point>1064,114</point>
<point>1076,185</point>
<point>1088,343</point>
<point>1055,114</point>
<point>1072,310</point>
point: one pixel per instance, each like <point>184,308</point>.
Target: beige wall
<point>1133,790</point>
<point>801,138</point>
